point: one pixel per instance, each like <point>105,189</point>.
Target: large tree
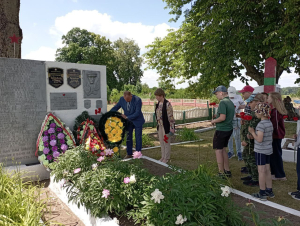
<point>128,61</point>
<point>121,58</point>
<point>217,39</point>
<point>9,26</point>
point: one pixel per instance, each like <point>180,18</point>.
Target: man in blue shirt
<point>132,107</point>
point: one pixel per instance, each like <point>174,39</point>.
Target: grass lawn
<point>189,156</point>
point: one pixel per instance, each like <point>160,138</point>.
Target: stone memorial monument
<point>29,89</point>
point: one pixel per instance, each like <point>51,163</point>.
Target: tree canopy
<point>218,39</point>
<point>121,58</point>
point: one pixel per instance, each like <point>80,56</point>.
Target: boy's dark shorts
<point>262,159</point>
<point>221,139</point>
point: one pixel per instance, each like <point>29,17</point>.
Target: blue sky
<point>44,22</point>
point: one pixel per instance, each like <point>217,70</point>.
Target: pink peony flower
<point>108,152</point>
<point>100,159</point>
<point>137,155</point>
<point>46,151</point>
<point>53,143</point>
<point>77,170</point>
<point>51,130</point>
<point>64,147</point>
<point>45,138</point>
<point>126,180</point>
<point>60,136</point>
<point>105,193</point>
<point>102,153</point>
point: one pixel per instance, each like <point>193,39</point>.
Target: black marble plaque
<point>63,101</point>
<point>56,77</point>
<point>23,107</point>
<point>74,77</point>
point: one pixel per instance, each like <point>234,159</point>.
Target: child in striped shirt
<point>263,149</point>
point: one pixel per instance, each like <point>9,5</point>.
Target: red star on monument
<point>14,39</point>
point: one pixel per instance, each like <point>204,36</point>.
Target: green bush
<point>187,134</point>
<point>20,202</point>
<point>195,195</point>
<point>86,187</point>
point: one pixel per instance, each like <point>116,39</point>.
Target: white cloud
<point>43,53</point>
<point>104,25</point>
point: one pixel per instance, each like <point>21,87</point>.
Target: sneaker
<point>128,157</point>
<point>297,197</point>
<point>251,183</point>
<point>240,158</point>
<point>294,193</point>
<point>260,197</point>
<point>246,178</point>
<point>230,155</point>
<point>244,170</point>
<point>282,178</point>
<point>270,194</point>
<point>227,173</point>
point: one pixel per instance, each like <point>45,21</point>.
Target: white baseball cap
<point>231,91</point>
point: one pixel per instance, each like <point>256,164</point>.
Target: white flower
<point>116,220</point>
<point>94,166</point>
<point>157,196</point>
<point>225,191</point>
<point>132,179</point>
<point>180,219</point>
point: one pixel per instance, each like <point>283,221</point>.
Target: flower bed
<point>187,196</point>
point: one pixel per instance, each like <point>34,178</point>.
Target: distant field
<point>146,108</point>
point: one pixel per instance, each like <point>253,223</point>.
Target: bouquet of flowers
<point>84,130</point>
<point>54,140</point>
<point>112,128</point>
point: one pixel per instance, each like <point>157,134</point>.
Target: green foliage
<point>195,195</point>
<point>187,134</point>
<point>86,186</point>
<point>217,40</point>
<point>115,95</point>
<point>20,202</point>
<point>121,58</point>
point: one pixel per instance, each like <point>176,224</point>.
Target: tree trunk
<point>253,73</point>
<point>10,25</point>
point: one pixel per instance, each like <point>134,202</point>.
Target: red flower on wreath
<point>242,114</point>
<point>212,104</point>
<point>295,118</point>
<point>285,117</point>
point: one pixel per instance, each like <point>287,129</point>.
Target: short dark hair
<point>127,93</point>
<point>265,93</point>
<point>159,92</point>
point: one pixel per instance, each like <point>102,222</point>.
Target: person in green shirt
<point>223,121</point>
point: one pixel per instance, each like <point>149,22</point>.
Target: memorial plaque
<point>63,101</point>
<point>56,77</point>
<point>87,104</point>
<point>91,84</point>
<point>74,78</point>
<point>98,103</point>
<point>23,107</point>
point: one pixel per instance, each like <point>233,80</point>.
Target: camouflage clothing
<point>248,153</point>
